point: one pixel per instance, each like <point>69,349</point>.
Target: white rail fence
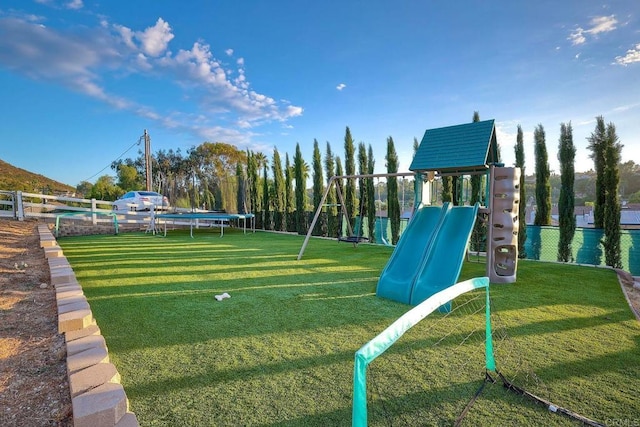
<point>20,205</point>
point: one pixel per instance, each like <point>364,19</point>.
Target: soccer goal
<point>449,361</point>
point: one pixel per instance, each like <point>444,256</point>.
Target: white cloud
<point>602,24</point>
<point>74,5</point>
<point>69,4</point>
<point>293,111</point>
<point>127,35</point>
<point>142,62</point>
<point>229,52</point>
<point>341,86</point>
<point>632,56</point>
<point>196,66</point>
<point>577,36</point>
<point>599,24</point>
<point>155,39</point>
<point>44,54</point>
<point>83,60</point>
<point>627,107</point>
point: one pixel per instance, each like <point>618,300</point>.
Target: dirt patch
<point>631,289</point>
<point>34,390</point>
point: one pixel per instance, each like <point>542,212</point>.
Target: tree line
<point>219,176</point>
<point>605,151</point>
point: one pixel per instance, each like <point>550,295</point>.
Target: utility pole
<point>147,159</point>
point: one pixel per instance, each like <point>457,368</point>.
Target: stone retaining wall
<point>97,397</point>
<point>70,227</point>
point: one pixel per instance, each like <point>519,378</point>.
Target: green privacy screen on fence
<point>542,245</point>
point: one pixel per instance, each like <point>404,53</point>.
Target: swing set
<point>344,214</point>
<point>351,237</point>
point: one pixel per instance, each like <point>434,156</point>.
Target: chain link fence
<point>542,245</point>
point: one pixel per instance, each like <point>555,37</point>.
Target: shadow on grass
<point>189,313</point>
<point>190,316</point>
<point>621,361</point>
<point>212,375</point>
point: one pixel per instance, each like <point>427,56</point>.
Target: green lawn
<point>280,350</point>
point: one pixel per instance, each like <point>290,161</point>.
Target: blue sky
<point>82,79</point>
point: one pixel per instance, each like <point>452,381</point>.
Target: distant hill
<point>14,179</point>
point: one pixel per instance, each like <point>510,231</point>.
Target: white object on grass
<point>222,296</point>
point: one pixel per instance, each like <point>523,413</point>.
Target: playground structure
<point>502,250</point>
<point>429,256</point>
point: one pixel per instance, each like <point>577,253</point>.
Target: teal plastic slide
<point>428,258</point>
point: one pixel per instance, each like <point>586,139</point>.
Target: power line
<point>118,158</point>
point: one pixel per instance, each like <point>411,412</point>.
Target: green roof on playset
<point>459,149</point>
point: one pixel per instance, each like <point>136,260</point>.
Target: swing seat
<point>353,239</point>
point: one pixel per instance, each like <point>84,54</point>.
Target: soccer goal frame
<point>378,345</point>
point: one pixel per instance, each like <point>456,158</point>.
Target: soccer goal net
<point>449,361</point>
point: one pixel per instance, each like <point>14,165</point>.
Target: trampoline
<point>212,219</point>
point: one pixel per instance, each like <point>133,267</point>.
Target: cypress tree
<point>301,215</point>
<point>566,203</point>
<point>476,189</point>
<point>339,170</point>
<point>318,188</point>
<point>416,145</point>
<point>371,196</point>
<point>350,169</point>
<point>392,192</point>
<point>340,183</point>
<point>266,202</point>
<point>255,165</point>
<point>611,242</point>
<point>456,182</point>
<point>479,228</point>
<point>362,187</point>
<point>332,209</point>
<point>241,202</point>
<point>597,145</point>
<point>279,217</point>
<point>290,201</point>
<point>476,180</point>
<point>447,192</point>
<point>543,185</point>
<point>252,176</point>
<point>522,209</point>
